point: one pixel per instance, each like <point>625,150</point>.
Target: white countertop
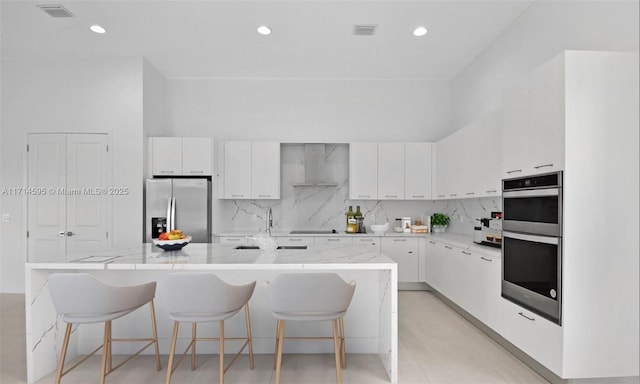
<point>458,240</point>
<point>218,256</point>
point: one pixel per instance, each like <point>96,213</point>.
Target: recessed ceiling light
<point>97,29</point>
<point>420,31</point>
<point>264,30</point>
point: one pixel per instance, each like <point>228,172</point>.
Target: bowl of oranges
<point>172,241</point>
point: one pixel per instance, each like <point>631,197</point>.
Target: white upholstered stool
<point>310,297</point>
<point>203,297</point>
<point>82,299</point>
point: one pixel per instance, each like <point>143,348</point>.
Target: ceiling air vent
<point>55,10</point>
<point>364,30</point>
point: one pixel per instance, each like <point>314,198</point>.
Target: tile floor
<point>436,345</point>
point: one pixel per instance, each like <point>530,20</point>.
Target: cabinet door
<point>326,240</point>
<point>490,168</point>
<point>295,240</point>
<point>391,171</point>
<point>403,251</point>
<point>490,273</point>
<point>237,169</point>
<point>233,240</point>
<point>434,265</point>
<point>363,171</point>
<point>547,117</point>
<point>265,170</point>
<point>417,171</point>
<point>167,156</point>
<point>373,242</point>
<point>197,156</point>
<point>447,171</point>
<point>515,138</point>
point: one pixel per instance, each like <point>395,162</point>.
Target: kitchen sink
<point>279,247</point>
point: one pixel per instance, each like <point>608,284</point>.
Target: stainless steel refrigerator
<point>183,204</point>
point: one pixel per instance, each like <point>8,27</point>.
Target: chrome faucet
<point>269,223</point>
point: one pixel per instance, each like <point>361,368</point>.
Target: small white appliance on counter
<point>488,231</point>
<point>178,203</point>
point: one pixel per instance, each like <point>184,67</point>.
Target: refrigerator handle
<point>169,217</point>
<point>173,213</point>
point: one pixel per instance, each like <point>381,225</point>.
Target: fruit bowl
<point>172,245</point>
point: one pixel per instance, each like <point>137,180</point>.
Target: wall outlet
<point>372,216</point>
<point>461,218</point>
<point>254,217</point>
<point>6,218</point>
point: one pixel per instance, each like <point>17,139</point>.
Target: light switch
<point>6,218</point>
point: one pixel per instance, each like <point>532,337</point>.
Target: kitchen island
<point>370,323</point>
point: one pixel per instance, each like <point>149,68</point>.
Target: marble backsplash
<point>325,207</point>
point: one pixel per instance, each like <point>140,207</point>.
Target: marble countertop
<point>458,240</point>
<point>218,256</point>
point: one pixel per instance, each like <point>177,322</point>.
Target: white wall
<point>293,110</point>
<point>545,29</point>
<point>69,96</point>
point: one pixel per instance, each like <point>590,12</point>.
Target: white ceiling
<point>310,39</point>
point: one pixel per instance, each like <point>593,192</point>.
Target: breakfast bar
<point>370,323</point>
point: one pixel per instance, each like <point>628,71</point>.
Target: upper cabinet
<point>468,162</point>
<point>181,156</point>
<point>534,120</point>
<point>251,170</point>
<point>390,171</point>
<point>363,171</point>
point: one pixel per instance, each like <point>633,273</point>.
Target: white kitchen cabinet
<point>534,116</point>
<point>391,175</point>
<point>468,162</point>
<point>390,171</point>
<point>536,336</point>
<point>417,171</point>
<point>181,156</point>
<point>404,251</point>
<point>265,170</point>
<point>295,240</point>
<point>433,267</point>
<point>197,156</point>
<point>328,240</point>
<point>239,240</point>
<point>166,156</point>
<point>373,241</point>
<point>237,170</point>
<point>363,171</point>
<point>251,170</point>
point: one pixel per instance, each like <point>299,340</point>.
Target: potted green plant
<point>439,222</point>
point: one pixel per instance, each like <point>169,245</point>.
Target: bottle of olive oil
<point>359,220</point>
<point>350,219</point>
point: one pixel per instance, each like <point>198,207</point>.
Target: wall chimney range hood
<point>315,167</point>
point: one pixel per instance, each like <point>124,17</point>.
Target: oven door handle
<point>532,238</point>
<point>532,193</point>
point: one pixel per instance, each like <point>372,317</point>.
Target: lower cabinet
<point>232,240</point>
<point>534,335</point>
<point>328,240</point>
<point>373,242</point>
<point>295,240</point>
<point>404,251</point>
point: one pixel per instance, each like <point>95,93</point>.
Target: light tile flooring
<point>436,345</point>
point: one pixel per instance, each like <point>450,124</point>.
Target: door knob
<point>70,233</point>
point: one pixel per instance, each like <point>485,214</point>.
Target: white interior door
<point>47,211</point>
<point>89,193</point>
<point>68,195</point>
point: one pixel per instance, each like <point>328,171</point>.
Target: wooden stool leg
<point>155,334</point>
<point>221,348</point>
<point>109,351</point>
<point>275,352</point>
<point>172,351</point>
<point>63,353</point>
<point>105,343</point>
<point>249,338</point>
<point>194,331</point>
<point>336,351</point>
<point>343,354</point>
<point>280,338</point>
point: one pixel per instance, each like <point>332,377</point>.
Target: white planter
<point>438,228</point>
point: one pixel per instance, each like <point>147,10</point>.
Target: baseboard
<point>413,286</point>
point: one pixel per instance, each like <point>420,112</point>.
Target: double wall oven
<point>532,243</point>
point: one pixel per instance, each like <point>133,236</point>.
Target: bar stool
<point>203,297</point>
<point>82,299</point>
<point>310,297</point>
